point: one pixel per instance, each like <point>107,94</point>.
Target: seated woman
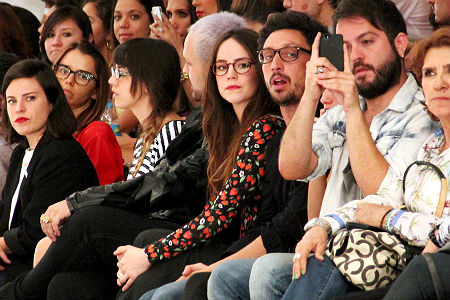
<point>421,197</point>
<point>47,165</point>
<point>65,26</point>
<point>131,19</point>
<point>87,93</point>
<point>237,111</point>
<point>242,121</point>
<point>146,82</point>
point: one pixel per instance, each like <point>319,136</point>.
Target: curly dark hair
<point>307,26</point>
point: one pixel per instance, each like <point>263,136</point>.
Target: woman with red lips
<point>46,165</point>
<point>83,75</point>
<point>65,26</point>
<point>204,8</point>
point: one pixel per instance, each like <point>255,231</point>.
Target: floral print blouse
<point>240,195</point>
<point>422,190</point>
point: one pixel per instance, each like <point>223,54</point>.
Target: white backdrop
<point>35,6</point>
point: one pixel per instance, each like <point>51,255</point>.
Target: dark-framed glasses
<point>117,73</point>
<point>81,77</point>
<point>287,54</point>
<point>241,66</point>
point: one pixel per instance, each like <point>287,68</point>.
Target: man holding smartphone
<point>367,141</point>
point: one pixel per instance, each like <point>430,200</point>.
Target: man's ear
<point>401,43</point>
<point>94,94</point>
<point>91,38</point>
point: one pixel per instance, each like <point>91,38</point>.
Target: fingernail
<point>296,276</point>
<point>303,272</point>
<point>321,257</point>
<point>293,277</point>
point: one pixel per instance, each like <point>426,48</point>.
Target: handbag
<point>369,257</point>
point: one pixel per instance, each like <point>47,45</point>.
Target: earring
<point>108,45</point>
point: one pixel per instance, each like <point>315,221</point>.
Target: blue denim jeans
<point>170,291</point>
<point>271,275</point>
<point>322,280</point>
<point>229,280</point>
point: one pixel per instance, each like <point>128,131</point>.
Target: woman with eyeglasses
<point>83,75</point>
<point>239,120</point>
<point>238,123</point>
<point>47,165</point>
<point>147,82</point>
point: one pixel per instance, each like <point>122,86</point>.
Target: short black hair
<point>61,122</point>
<point>306,25</point>
<point>382,14</point>
<point>60,15</point>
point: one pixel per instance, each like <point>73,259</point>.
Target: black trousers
<point>415,282</point>
<point>170,270</point>
<point>87,242</point>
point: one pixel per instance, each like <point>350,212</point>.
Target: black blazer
<point>58,168</point>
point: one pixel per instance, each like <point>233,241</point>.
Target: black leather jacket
<point>175,190</point>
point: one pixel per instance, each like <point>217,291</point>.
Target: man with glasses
<point>283,213</point>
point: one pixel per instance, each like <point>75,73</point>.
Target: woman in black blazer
<point>47,165</point>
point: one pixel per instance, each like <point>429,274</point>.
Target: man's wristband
<point>320,222</point>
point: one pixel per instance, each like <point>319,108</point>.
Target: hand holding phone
<point>331,47</point>
<point>157,12</point>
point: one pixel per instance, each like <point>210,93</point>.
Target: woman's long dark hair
<point>97,105</point>
<point>154,63</point>
<point>221,126</point>
<point>61,122</point>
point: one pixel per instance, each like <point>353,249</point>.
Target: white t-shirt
<point>23,173</point>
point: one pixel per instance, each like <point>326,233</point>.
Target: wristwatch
<point>318,221</point>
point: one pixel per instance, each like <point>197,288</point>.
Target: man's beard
<point>287,100</point>
<point>386,76</point>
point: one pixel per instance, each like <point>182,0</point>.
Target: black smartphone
<point>331,47</point>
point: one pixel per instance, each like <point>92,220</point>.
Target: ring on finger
<point>45,219</point>
<point>319,69</point>
<point>296,256</point>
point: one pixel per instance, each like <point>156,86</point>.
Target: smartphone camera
<point>157,12</point>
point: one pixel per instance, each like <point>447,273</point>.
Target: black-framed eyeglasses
<point>81,77</point>
<point>287,54</point>
<point>241,66</point>
<point>117,73</point>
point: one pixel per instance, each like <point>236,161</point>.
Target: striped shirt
<point>157,149</point>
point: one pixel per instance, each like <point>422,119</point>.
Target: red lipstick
<point>21,120</point>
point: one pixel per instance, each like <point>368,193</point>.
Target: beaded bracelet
<point>383,218</point>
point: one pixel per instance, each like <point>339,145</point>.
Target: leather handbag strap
<point>443,194</point>
<point>434,276</point>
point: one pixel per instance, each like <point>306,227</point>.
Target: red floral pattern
<point>241,194</point>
